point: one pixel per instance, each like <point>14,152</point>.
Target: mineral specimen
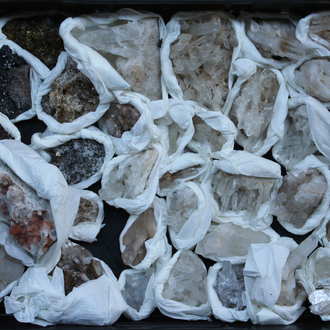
<point>132,49</point>
<point>135,288</point>
<point>11,269</point>
<point>4,134</point>
<point>228,240</point>
<point>78,159</point>
<point>32,225</point>
<point>186,281</point>
<point>120,118</point>
<point>142,229</point>
<point>38,35</point>
<point>207,136</point>
<point>274,38</point>
<point>181,203</point>
<point>201,58</point>
<point>319,30</point>
<point>15,87</point>
<point>241,193</point>
<point>87,212</point>
<point>72,95</point>
<point>230,285</point>
<point>78,266</point>
<point>314,77</point>
<point>252,109</point>
<point>299,196</point>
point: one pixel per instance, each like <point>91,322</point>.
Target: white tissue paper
<point>9,127</point>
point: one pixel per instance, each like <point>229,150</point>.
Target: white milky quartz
<point>207,136</point>
<point>130,177</point>
<point>252,109</point>
<point>201,58</point>
<point>297,142</point>
<point>186,282</point>
<point>242,193</point>
<point>181,203</point>
<point>299,196</point>
<point>11,269</point>
<point>228,240</point>
<point>132,49</point>
<point>314,77</point>
<point>319,30</point>
<point>274,38</point>
<point>135,288</point>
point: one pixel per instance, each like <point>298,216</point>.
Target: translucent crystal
<point>78,266</point>
<point>230,285</point>
<point>242,193</point>
<point>78,159</point>
<point>186,282</point>
<point>314,77</point>
<point>142,229</point>
<point>228,240</point>
<point>130,178</point>
<point>135,288</point>
<point>72,95</point>
<point>120,118</point>
<point>299,196</point>
<point>11,269</point>
<point>252,109</point>
<point>201,58</point>
<point>207,136</point>
<point>32,224</point>
<point>319,30</point>
<point>132,48</point>
<point>274,38</point>
<point>87,212</point>
<point>181,203</point>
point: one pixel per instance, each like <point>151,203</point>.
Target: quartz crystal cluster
<point>319,30</point>
<point>201,58</point>
<point>87,212</point>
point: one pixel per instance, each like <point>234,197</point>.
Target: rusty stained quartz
<point>78,266</point>
<point>38,35</point>
<point>32,226</point>
<point>15,90</point>
<point>120,118</point>
<point>87,212</point>
<point>72,95</point>
<point>4,135</point>
<point>142,229</point>
<point>78,159</point>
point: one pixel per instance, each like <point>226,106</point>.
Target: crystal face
<point>120,118</point>
<point>274,38</point>
<point>230,285</point>
<point>78,159</point>
<point>314,77</point>
<point>135,288</point>
<point>72,95</point>
<point>142,229</point>
<point>319,30</point>
<point>299,196</point>
<point>201,58</point>
<point>241,193</point>
<point>87,212</point>
<point>78,266</point>
<point>252,109</point>
<point>38,35</point>
<point>32,224</point>
<point>132,49</point>
<point>186,282</point>
<point>15,87</point>
<point>228,240</point>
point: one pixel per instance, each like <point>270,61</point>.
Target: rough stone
<point>186,281</point>
<point>78,159</point>
<point>15,87</point>
<point>4,134</point>
<point>142,229</point>
<point>299,196</point>
<point>72,95</point>
<point>87,212</point>
<point>319,30</point>
<point>201,58</point>
<point>78,266</point>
